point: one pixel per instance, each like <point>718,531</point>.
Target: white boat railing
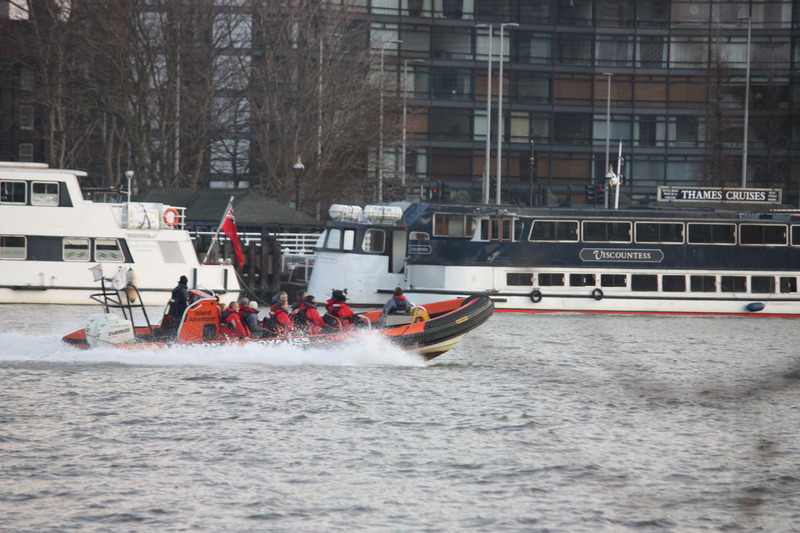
<point>297,249</point>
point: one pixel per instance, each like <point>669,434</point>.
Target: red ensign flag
<point>229,227</point>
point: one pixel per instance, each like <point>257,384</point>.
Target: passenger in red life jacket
<point>248,312</point>
<point>231,317</point>
<point>307,317</point>
<point>280,314</point>
<point>337,307</point>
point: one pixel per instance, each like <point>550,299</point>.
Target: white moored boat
<point>666,259</point>
<point>50,238</point>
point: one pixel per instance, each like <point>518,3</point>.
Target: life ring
<point>597,294</point>
<point>420,314</point>
<point>171,217</point>
<point>536,296</point>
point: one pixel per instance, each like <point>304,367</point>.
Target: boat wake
<point>365,349</point>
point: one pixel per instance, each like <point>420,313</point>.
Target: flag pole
<point>216,234</point>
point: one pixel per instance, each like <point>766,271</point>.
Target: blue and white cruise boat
<point>668,259</point>
<point>50,238</point>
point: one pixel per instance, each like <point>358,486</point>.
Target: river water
<point>534,423</point>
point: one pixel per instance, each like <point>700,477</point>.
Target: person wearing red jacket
<point>230,316</point>
<point>337,307</point>
<point>280,315</point>
<point>307,317</point>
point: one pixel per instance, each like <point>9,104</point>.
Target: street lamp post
<point>500,111</point>
<point>608,133</point>
<point>298,168</point>
<point>487,165</point>
<point>405,120</point>
<point>746,99</point>
<point>380,133</point>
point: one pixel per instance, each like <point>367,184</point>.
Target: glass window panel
<point>644,282</point>
<point>762,284</point>
<point>615,51</point>
<point>44,193</point>
<point>519,279</point>
<point>712,233</point>
<point>450,43</point>
<point>788,284</point>
<point>13,247</point>
<point>374,241</point>
<point>615,12</point>
<point>733,283</point>
<point>571,128</point>
<point>531,87</point>
<point>572,49</point>
<point>613,280</point>
<point>659,232</point>
<point>451,124</point>
<point>334,240</point>
<point>606,231</point>
<point>762,234</point>
<point>671,283</point>
<point>450,83</point>
<point>703,284</point>
<point>349,240</point>
<point>108,250</point>
<point>13,192</point>
<point>551,280</point>
<point>75,249</point>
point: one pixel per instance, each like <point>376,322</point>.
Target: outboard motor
<point>107,329</point>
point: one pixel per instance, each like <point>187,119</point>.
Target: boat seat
<point>399,320</point>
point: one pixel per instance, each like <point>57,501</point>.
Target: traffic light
<point>435,193</point>
<point>442,191</point>
<point>590,194</point>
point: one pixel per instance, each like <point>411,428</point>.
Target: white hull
<point>431,283</point>
<point>44,258</point>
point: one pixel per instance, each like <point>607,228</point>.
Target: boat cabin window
<point>519,279</point>
<point>44,193</point>
<point>13,247</point>
<point>703,284</point>
<point>338,239</point>
<point>108,250</point>
<point>554,230</point>
<point>447,225</point>
<point>672,283</point>
<point>762,284</point>
<point>551,280</point>
<point>76,249</point>
<point>581,280</point>
<point>659,232</point>
<point>419,236</point>
<point>733,284</point>
<point>606,231</point>
<point>763,234</point>
<point>712,233</point>
<point>644,282</point>
<point>13,192</point>
<point>795,235</point>
<point>613,280</point>
<point>788,284</point>
<point>374,241</point>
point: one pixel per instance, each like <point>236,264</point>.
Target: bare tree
<point>720,164</point>
<point>313,95</point>
<point>185,91</point>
